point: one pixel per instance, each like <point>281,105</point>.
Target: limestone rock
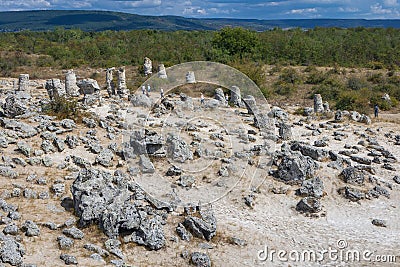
<point>200,259</point>
<point>318,104</point>
<point>311,188</point>
<point>309,205</point>
<point>122,89</point>
<point>14,106</point>
<point>352,175</point>
<point>162,73</point>
<point>178,149</point>
<point>295,168</point>
<point>147,66</point>
<point>23,82</point>
<point>250,103</point>
<point>190,78</point>
<point>220,96</point>
<point>54,88</point>
<point>11,251</point>
<point>88,86</point>
<point>202,226</point>
<point>285,132</point>
<point>30,228</point>
<point>236,97</point>
<point>71,88</point>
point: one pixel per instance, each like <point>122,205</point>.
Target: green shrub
<point>64,108</point>
<point>316,77</point>
<point>285,89</point>
<point>355,83</point>
<point>290,75</point>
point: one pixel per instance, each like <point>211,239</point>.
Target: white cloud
<point>390,3</point>
<point>378,9</point>
<point>24,5</point>
<point>142,3</point>
<point>348,9</point>
<point>302,11</point>
<point>201,11</point>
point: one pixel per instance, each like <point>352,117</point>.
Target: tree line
<point>356,47</point>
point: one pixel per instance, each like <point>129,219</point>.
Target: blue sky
<point>258,9</point>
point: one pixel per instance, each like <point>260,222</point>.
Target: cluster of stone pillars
<point>121,89</point>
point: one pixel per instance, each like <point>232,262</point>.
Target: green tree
<point>236,41</point>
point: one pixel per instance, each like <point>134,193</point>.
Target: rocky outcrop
<point>105,199</point>
<point>178,149</point>
<point>318,104</point>
<point>147,66</point>
<point>23,82</point>
<point>162,73</point>
<point>190,78</point>
<point>295,168</point>
<point>71,88</point>
<point>236,97</point>
<point>11,251</point>
<point>54,88</point>
<point>202,225</point>
<point>14,106</point>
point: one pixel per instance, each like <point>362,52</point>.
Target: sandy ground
<point>272,224</point>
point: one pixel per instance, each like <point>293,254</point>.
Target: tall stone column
<point>122,90</point>
<point>236,97</point>
<point>23,82</point>
<point>109,81</point>
<point>318,105</point>
<point>71,88</point>
<point>148,66</point>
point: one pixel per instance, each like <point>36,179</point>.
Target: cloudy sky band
<point>259,9</point>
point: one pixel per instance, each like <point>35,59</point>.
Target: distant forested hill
<point>105,20</point>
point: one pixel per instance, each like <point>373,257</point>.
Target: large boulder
<point>309,205</point>
<point>295,168</point>
<point>352,175</point>
<point>141,101</point>
<point>220,96</point>
<point>11,251</point>
<point>178,149</point>
<point>14,106</point>
<point>147,66</point>
<point>71,88</point>
<point>315,153</point>
<point>202,225</point>
<point>285,132</point>
<point>118,207</point>
<point>311,188</point>
<point>88,86</point>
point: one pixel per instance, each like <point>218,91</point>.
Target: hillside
<point>106,20</point>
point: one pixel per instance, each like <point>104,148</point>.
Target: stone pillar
<point>339,116</point>
<point>250,103</point>
<point>122,89</point>
<point>285,131</point>
<point>109,81</point>
<point>148,66</point>
<point>219,95</point>
<point>54,88</point>
<point>318,105</point>
<point>162,73</point>
<point>71,88</point>
<point>326,106</point>
<point>236,97</point>
<point>190,78</point>
<point>23,82</point>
